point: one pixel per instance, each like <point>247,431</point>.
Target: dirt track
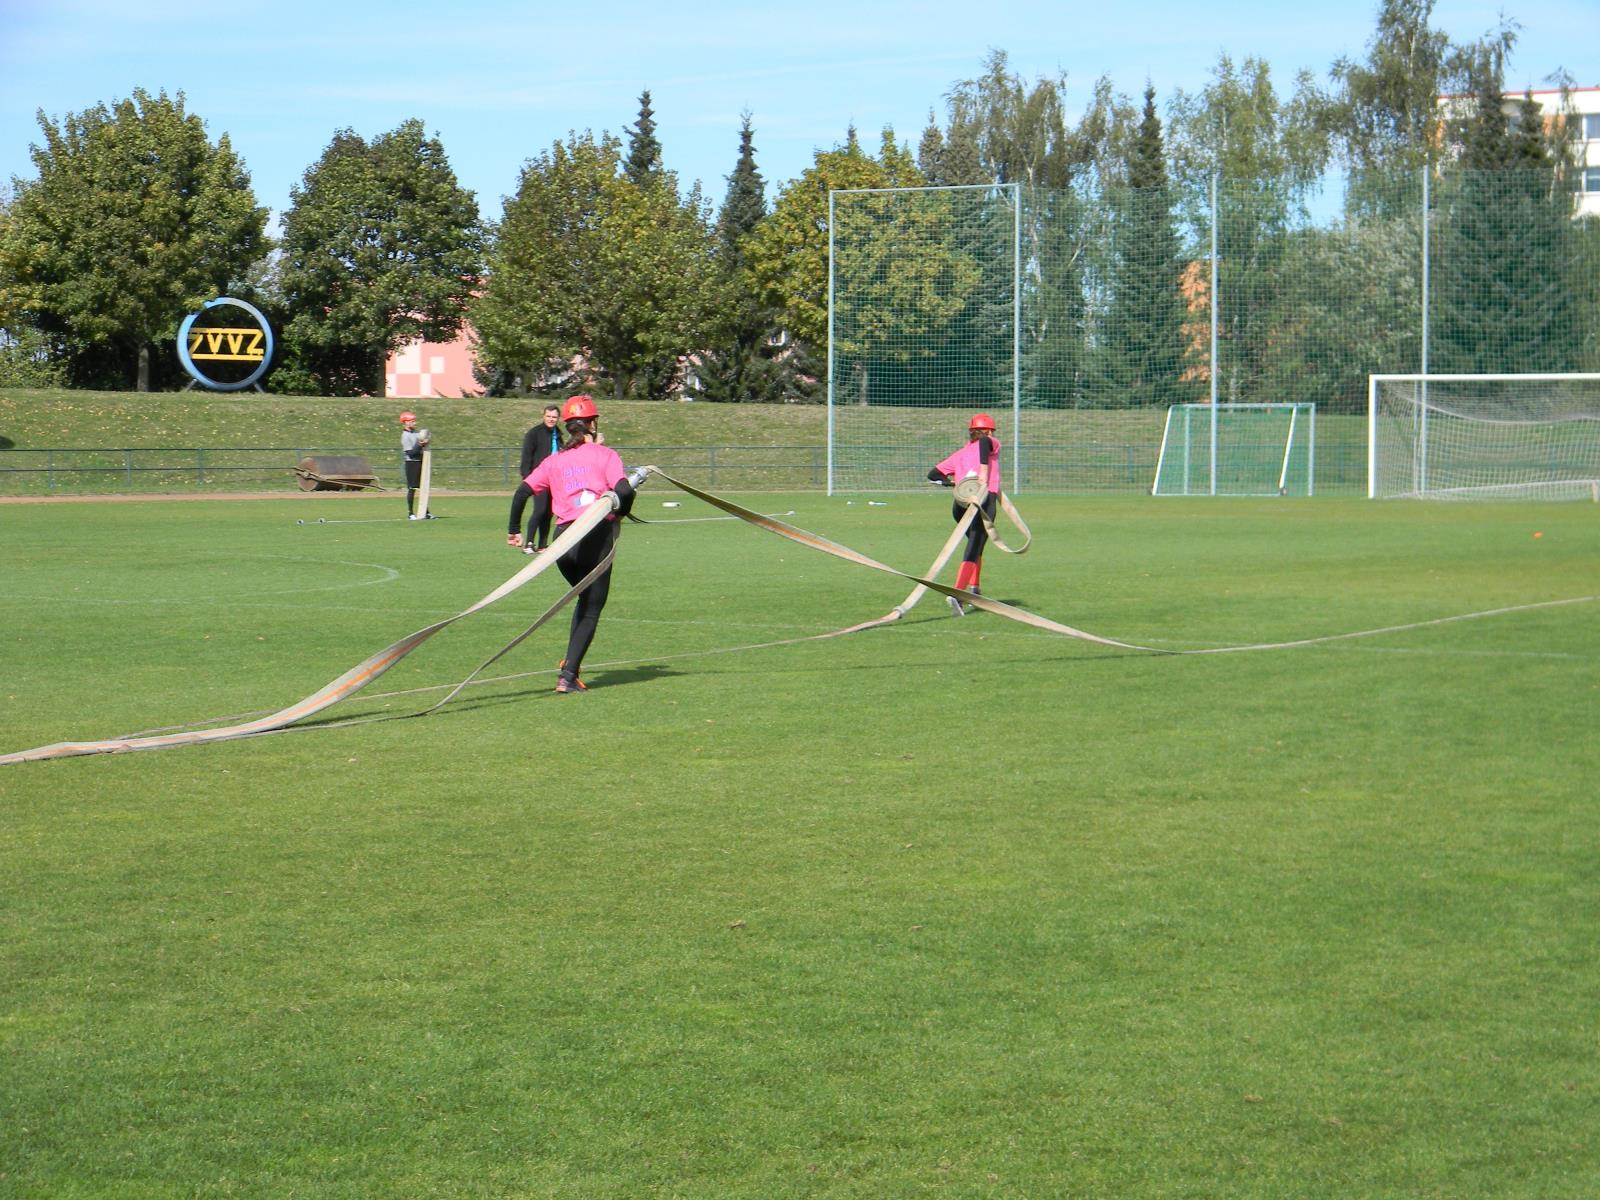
<point>123,496</point>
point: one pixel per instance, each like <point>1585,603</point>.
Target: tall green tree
<point>1143,343</point>
<point>1268,156</point>
<point>1508,271</point>
<point>745,205</point>
<point>588,263</point>
<point>381,246</point>
<point>747,358</point>
<point>789,251</point>
<point>1382,114</point>
<point>136,218</point>
<point>1005,129</point>
<point>1019,129</point>
<point>644,150</point>
<point>900,278</point>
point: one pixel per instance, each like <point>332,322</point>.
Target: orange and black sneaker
<point>568,684</point>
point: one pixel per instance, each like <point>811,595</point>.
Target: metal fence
<point>220,469</point>
<point>1094,464</point>
<point>1024,302</point>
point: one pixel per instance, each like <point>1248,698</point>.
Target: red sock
<point>964,575</point>
<point>977,570</point>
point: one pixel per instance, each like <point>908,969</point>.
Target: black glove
<point>936,476</point>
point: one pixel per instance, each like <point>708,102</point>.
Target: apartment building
<point>1580,106</point>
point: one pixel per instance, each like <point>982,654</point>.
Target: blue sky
<point>505,79</point>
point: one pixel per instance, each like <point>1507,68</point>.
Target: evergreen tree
<point>1510,293</point>
<point>748,359</point>
<point>1143,344</point>
<point>745,205</point>
<point>930,153</point>
<point>643,164</point>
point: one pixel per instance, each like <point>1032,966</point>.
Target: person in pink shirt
<point>574,478</point>
<point>979,459</point>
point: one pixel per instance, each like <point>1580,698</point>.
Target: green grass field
<point>951,908</point>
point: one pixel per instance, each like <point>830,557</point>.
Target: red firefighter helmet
<point>982,421</point>
<point>579,408</point>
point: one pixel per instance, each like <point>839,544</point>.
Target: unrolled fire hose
<point>358,676</point>
<point>369,669</point>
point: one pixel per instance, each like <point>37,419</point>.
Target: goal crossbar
<point>1270,459</point>
<point>1484,436</point>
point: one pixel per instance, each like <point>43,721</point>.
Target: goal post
<point>1238,450</point>
<point>1484,437</point>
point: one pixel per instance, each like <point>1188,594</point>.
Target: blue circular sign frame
<point>194,371</point>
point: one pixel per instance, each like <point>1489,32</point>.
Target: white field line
<point>387,574</point>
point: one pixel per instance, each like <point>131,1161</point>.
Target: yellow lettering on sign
<point>226,345</point>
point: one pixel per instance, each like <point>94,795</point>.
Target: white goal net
<point>1512,437</point>
<point>1238,450</point>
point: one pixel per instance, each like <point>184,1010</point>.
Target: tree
<point>1004,129</point>
<point>1268,157</point>
<point>1143,341</point>
<point>1510,284</point>
<point>135,220</point>
<point>381,246</point>
<point>901,279</point>
<point>1348,308</point>
<point>587,262</point>
<point>789,252</point>
<point>745,205</point>
<point>1384,113</point>
<point>748,359</point>
<point>1019,130</point>
<point>644,151</point>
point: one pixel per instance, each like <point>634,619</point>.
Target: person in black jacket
<point>538,444</point>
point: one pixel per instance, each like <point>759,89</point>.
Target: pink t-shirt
<point>964,462</point>
<point>576,478</point>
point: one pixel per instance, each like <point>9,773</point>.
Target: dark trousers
<point>586,608</point>
<point>977,535</point>
<point>413,482</point>
<point>539,521</point>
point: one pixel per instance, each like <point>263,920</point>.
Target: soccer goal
<point>1238,450</point>
<point>1484,437</point>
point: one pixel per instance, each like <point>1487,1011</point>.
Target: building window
<point>1590,131</point>
<point>1591,180</point>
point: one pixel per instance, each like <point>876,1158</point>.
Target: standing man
<point>538,444</point>
<point>412,444</point>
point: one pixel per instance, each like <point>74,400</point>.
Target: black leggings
<point>977,535</point>
<point>575,564</point>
